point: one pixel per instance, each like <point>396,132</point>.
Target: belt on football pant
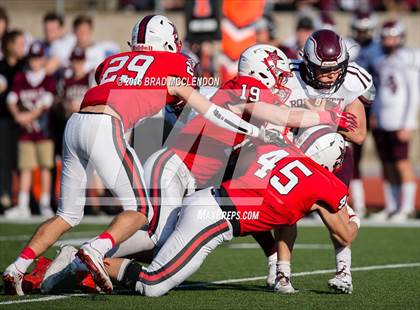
<point>227,206</point>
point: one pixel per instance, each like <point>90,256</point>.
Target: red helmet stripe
<point>141,35</point>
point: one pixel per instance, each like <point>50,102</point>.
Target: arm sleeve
<point>230,121</point>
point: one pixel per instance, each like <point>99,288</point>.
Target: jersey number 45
<point>268,162</point>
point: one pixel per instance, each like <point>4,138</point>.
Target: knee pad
<point>131,275</point>
<point>72,220</point>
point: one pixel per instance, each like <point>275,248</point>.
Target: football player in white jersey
<point>322,80</point>
<point>363,48</point>
<point>395,118</point>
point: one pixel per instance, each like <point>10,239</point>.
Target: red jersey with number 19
<point>134,84</point>
<point>203,146</point>
<point>280,188</point>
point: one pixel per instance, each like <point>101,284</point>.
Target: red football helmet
<point>156,33</point>
<point>324,51</point>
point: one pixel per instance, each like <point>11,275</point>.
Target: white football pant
<point>96,142</point>
<point>200,229</point>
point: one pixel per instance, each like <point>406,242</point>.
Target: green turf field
<point>396,285</point>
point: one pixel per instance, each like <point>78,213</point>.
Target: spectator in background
<point>363,50</point>
<point>29,101</point>
<point>4,25</point>
<point>57,44</point>
<point>95,52</point>
<point>71,89</point>
<point>13,48</point>
<point>395,118</point>
<point>304,28</point>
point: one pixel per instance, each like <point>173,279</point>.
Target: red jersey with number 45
<point>134,83</point>
<point>203,146</point>
<point>280,188</point>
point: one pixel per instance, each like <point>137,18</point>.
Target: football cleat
<point>283,284</point>
<point>341,283</point>
<point>272,270</point>
<point>12,281</point>
<point>32,281</point>
<point>85,282</point>
<point>62,266</point>
<point>94,262</point>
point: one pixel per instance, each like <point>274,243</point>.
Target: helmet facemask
<point>313,70</point>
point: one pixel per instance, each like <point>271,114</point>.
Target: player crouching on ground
<point>202,226</point>
<point>209,217</point>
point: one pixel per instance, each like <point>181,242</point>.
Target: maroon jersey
<point>72,89</point>
<point>134,83</point>
<point>29,96</point>
<point>203,146</point>
<point>279,188</point>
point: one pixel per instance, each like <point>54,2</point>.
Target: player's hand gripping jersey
<point>279,188</point>
<point>134,84</point>
<point>205,147</point>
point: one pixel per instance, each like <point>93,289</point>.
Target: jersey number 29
<point>268,162</point>
<point>110,74</point>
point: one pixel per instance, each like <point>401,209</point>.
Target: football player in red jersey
<point>94,139</point>
<point>201,151</point>
<point>280,187</point>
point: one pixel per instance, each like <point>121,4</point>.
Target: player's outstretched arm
<point>341,228</point>
<point>295,117</point>
<point>212,112</point>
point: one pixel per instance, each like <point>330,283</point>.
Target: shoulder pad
<point>357,79</point>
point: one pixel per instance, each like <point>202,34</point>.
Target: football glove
<point>345,121</point>
<point>271,136</point>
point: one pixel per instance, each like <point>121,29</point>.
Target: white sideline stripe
<point>48,298</point>
<point>299,274</point>
<point>307,273</point>
<point>303,246</point>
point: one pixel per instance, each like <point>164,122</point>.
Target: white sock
<point>272,258</point>
<point>391,193</point>
<point>358,195</point>
<point>23,200</point>
<point>284,267</point>
<point>102,245</point>
<point>124,265</point>
<point>22,264</point>
<point>408,197</point>
<point>45,201</point>
<point>343,259</point>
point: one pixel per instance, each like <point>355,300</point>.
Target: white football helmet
<point>156,33</point>
<point>323,145</point>
<point>267,64</point>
